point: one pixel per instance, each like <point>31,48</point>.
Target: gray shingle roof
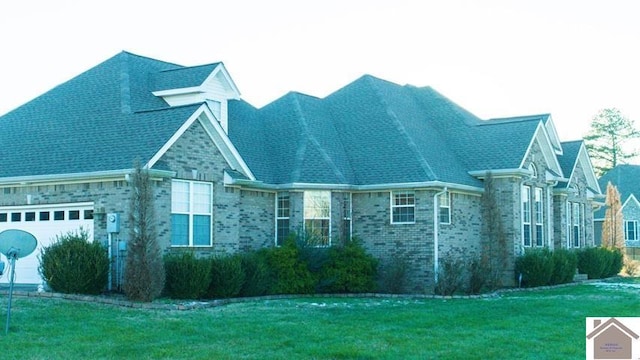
<point>181,77</point>
<point>90,123</point>
<point>374,132</point>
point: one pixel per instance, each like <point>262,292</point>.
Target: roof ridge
<point>182,67</point>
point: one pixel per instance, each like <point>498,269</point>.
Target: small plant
<point>227,277</point>
<point>349,269</point>
<point>187,277</point>
<point>74,265</point>
<point>600,262</point>
<point>393,277</point>
<point>258,278</point>
<point>535,267</point>
<point>291,274</point>
<point>565,264</point>
<point>631,267</point>
<point>478,276</point>
<point>450,274</point>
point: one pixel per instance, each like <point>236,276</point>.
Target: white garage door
<point>45,222</point>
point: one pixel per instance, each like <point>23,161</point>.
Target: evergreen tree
<point>144,273</point>
<point>609,132</point>
<point>612,227</point>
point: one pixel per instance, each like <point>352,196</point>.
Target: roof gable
<point>542,139</point>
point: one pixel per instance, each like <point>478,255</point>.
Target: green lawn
<point>534,324</point>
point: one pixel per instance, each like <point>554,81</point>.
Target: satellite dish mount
<point>15,244</point>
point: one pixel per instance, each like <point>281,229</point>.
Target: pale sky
<point>495,58</point>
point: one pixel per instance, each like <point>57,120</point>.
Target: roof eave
<point>121,174</point>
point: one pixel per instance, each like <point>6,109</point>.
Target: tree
<point>609,132</point>
<point>493,259</point>
<point>612,227</point>
<point>144,273</point>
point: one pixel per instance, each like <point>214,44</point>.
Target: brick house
<point>625,179</point>
<point>400,167</point>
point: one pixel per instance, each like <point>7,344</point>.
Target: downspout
<point>436,225</point>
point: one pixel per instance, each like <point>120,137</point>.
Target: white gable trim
<point>584,159</point>
<point>217,135</point>
<point>542,137</point>
<point>222,70</point>
<point>553,135</point>
<point>631,198</point>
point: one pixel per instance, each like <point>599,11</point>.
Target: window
<point>575,224</point>
<point>30,216</point>
<point>191,212</point>
<point>526,215</point>
<point>16,217</point>
<point>534,170</point>
<point>630,230</point>
<point>444,201</point>
<point>346,216</point>
<point>58,215</point>
<point>282,218</point>
<point>44,216</point>
<point>74,214</point>
<point>538,196</point>
<point>88,214</point>
<point>3,217</point>
<point>403,206</point>
<point>317,210</point>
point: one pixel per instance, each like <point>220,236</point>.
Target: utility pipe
<point>436,225</point>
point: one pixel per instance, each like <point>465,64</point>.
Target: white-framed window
<point>346,216</point>
<point>403,207</point>
<point>191,213</point>
<point>526,215</point>
<point>534,170</point>
<point>630,230</point>
<point>444,203</point>
<point>317,217</point>
<point>576,220</point>
<point>283,213</point>
<point>539,207</point>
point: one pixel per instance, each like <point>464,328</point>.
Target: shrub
<point>349,269</point>
<point>74,265</point>
<point>631,266</point>
<point>227,277</point>
<point>290,274</point>
<point>565,263</point>
<point>258,279</point>
<point>599,262</point>
<point>478,276</point>
<point>535,266</point>
<point>450,274</point>
<point>393,277</point>
<point>187,277</point>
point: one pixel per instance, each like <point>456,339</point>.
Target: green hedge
<point>227,277</point>
<point>535,266</point>
<point>600,262</point>
<point>565,263</point>
<point>349,269</point>
<point>75,265</point>
<point>187,277</point>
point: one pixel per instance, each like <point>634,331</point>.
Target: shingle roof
<point>625,178</point>
<point>567,161</point>
<point>374,132</point>
<point>369,132</point>
<point>181,77</point>
<point>92,122</point>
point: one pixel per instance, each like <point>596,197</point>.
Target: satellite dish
<point>17,243</point>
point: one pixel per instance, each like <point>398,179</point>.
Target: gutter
<point>436,226</point>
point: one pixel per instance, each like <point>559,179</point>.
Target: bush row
<point>539,267</point>
<point>290,269</point>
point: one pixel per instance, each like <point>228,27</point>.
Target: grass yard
<point>534,324</point>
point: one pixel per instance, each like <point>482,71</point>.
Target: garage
<point>44,222</point>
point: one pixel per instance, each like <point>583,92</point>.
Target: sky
<point>495,58</point>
